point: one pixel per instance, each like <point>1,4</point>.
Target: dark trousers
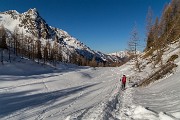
<point>123,86</point>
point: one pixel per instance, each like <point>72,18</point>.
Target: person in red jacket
<point>123,82</point>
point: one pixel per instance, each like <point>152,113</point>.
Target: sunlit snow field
<point>30,91</point>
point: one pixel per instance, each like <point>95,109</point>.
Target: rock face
<point>32,24</point>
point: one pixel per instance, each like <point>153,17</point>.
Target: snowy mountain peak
<point>123,54</point>
<point>32,24</point>
<point>33,13</point>
<point>29,22</point>
<point>14,12</point>
<point>120,54</point>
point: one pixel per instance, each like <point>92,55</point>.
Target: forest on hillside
<point>164,30</point>
<point>20,45</point>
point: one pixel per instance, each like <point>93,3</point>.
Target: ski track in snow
<point>86,94</point>
<point>40,116</point>
<point>87,114</point>
<point>125,106</point>
<point>105,80</point>
<point>68,106</point>
<point>97,112</point>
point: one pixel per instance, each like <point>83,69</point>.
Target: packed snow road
<point>76,94</point>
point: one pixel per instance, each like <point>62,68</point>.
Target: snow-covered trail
<point>63,95</point>
<point>85,93</point>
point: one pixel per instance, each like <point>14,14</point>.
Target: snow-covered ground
<point>69,92</point>
<point>30,91</point>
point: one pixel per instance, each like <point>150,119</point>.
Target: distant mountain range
<point>122,54</point>
<point>30,23</point>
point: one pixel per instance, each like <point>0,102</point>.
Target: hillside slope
<point>158,100</point>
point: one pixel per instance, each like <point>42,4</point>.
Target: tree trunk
<point>2,56</point>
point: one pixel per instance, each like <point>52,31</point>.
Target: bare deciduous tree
<point>3,44</point>
<point>133,44</point>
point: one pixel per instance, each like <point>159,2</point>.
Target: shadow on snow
<point>12,102</point>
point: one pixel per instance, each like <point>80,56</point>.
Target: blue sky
<point>103,25</point>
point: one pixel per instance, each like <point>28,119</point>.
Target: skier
<point>123,82</point>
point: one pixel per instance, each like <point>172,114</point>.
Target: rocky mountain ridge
<point>30,23</point>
